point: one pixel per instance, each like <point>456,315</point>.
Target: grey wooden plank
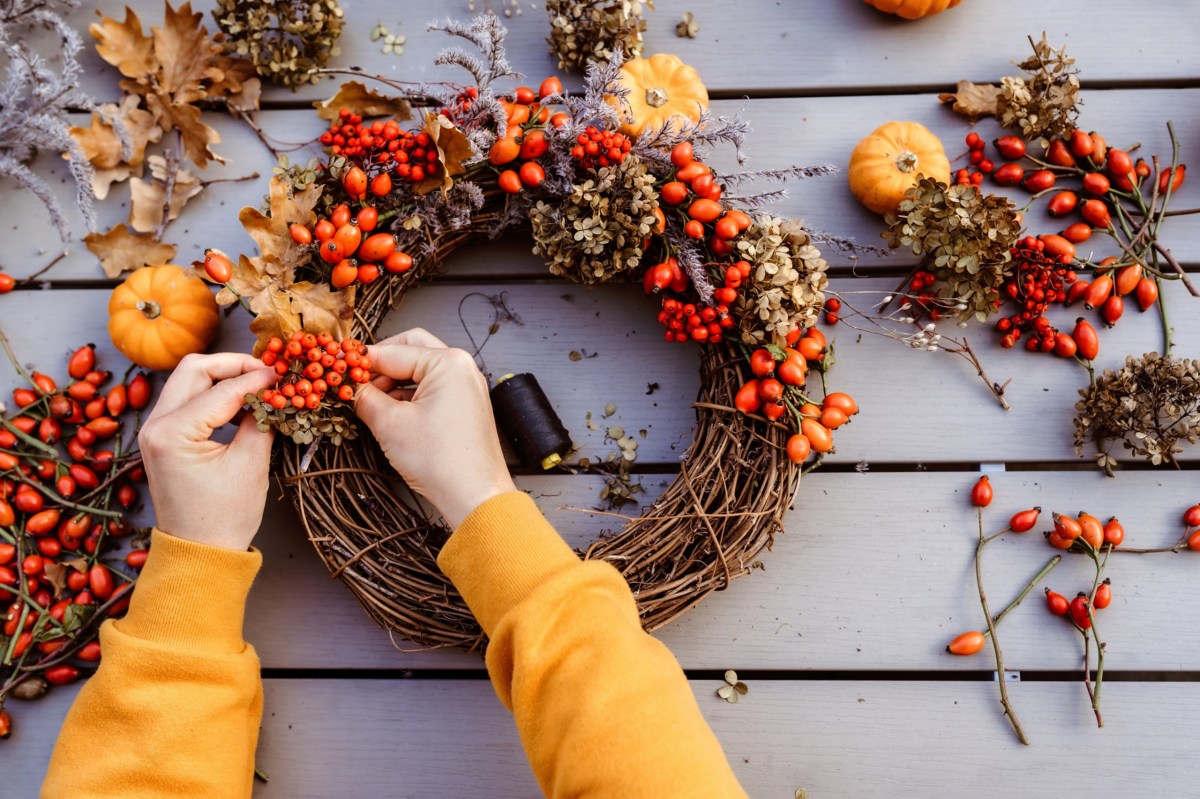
<point>785,132</point>
<point>617,325</point>
<point>802,45</point>
<point>832,739</point>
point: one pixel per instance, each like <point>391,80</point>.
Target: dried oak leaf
<point>185,54</point>
<point>102,146</point>
<point>270,233</point>
<point>123,45</point>
<point>285,308</point>
<point>121,250</point>
<point>361,100</point>
<point>148,198</point>
<point>973,100</point>
<point>453,148</point>
<point>232,77</point>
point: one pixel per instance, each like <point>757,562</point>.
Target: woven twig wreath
<point>602,192</point>
<point>725,506</point>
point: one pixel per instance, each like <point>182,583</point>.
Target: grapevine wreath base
<point>605,193</point>
<point>725,506</point>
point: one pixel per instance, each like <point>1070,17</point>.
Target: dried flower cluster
<point>599,230</point>
<point>966,237</point>
<point>34,102</point>
<point>785,287</point>
<point>1150,405</point>
<point>582,31</point>
<point>285,39</point>
<point>1045,102</point>
<point>334,423</point>
<point>1042,103</point>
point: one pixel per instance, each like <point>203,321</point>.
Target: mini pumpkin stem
<point>656,98</point>
<point>150,308</point>
<point>907,161</point>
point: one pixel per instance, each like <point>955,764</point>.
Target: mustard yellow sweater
<point>602,708</point>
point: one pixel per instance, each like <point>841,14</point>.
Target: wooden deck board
<point>785,132</point>
<point>441,738</point>
<point>796,45</point>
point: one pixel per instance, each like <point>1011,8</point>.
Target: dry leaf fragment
<point>102,146</point>
<point>123,45</point>
<point>270,233</point>
<point>184,53</point>
<point>121,250</point>
<point>453,149</point>
<point>973,100</point>
<point>285,308</point>
<point>148,198</point>
<point>361,100</point>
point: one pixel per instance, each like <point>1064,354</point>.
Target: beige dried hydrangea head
<point>598,231</point>
<point>1045,102</point>
<point>284,39</point>
<point>786,282</point>
<point>587,30</point>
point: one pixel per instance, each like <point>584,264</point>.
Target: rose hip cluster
<point>313,369</point>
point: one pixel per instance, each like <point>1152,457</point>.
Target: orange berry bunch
<point>314,368</point>
<point>695,188</point>
<point>599,148</point>
<point>383,148</point>
<point>525,138</point>
<point>350,245</point>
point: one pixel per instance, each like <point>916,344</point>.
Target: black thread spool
<point>531,426</point>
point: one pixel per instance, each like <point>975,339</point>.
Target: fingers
<point>251,443</point>
<point>198,417</point>
<point>196,374</point>
<point>416,337</point>
<point>404,362</point>
<point>372,405</point>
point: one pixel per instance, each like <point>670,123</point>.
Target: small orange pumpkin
<point>891,159</point>
<point>913,9</point>
<point>660,88</point>
<point>160,314</point>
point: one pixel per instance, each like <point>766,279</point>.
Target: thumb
<point>251,443</point>
<point>373,405</point>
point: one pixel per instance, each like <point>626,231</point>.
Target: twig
<point>28,280</point>
<point>1170,259</point>
<point>987,614</point>
<point>997,389</point>
<point>172,169</point>
<point>211,181</point>
<point>1054,561</point>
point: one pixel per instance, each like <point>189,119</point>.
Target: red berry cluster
<point>313,368</point>
<point>349,245</point>
<point>525,137</point>
<point>599,148</point>
<point>686,321</point>
<point>383,148</point>
<point>695,185</point>
<point>924,302</point>
<point>1037,281</point>
<point>461,105</point>
<point>62,489</point>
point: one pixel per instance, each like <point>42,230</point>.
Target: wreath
<point>613,186</point>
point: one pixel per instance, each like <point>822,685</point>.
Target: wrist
<point>455,508</point>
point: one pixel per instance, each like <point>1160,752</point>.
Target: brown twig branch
<point>987,614</point>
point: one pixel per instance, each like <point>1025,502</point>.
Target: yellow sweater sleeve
<point>175,706</point>
<point>603,709</point>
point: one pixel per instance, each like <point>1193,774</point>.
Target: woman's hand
<point>204,490</point>
<point>440,436</point>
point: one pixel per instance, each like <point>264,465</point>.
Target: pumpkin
<point>160,314</point>
<point>913,9</point>
<point>660,88</point>
<point>890,161</point>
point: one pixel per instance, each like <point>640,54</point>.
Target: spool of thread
<point>527,420</point>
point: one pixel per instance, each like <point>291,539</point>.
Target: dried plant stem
<point>997,389</point>
<point>29,280</point>
<point>1170,259</point>
<point>1054,561</point>
<point>1178,546</point>
<point>987,614</point>
<point>172,170</point>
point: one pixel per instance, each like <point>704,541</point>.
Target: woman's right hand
<point>441,435</point>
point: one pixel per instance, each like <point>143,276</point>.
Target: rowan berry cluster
<point>382,148</point>
<point>686,321</point>
<point>595,148</point>
<point>313,369</point>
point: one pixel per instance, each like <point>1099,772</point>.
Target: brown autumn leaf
<point>196,135</point>
<point>361,100</point>
<point>285,308</point>
<point>149,197</point>
<point>453,148</point>
<point>973,100</point>
<point>229,77</point>
<point>102,146</point>
<point>185,54</point>
<point>123,45</point>
<point>121,250</point>
<point>270,232</point>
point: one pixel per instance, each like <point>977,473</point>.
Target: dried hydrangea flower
<point>966,237</point>
<point>285,39</point>
<point>597,231</point>
<point>687,28</point>
<point>1151,406</point>
<point>594,30</point>
<point>786,282</point>
<point>1045,103</point>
